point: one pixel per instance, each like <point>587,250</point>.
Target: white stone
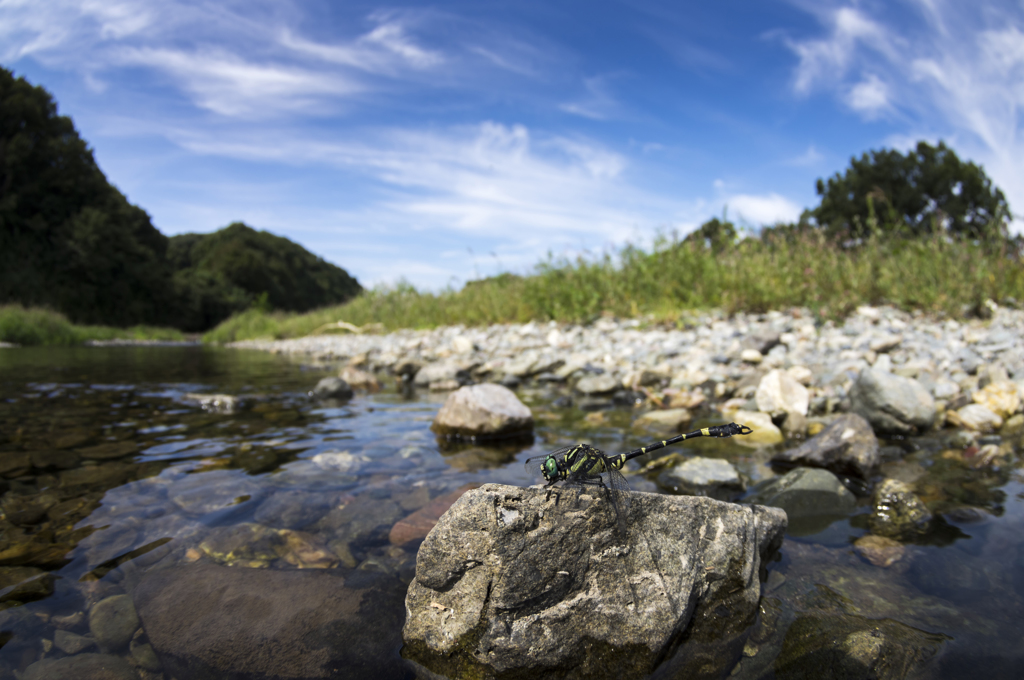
<point>779,393</point>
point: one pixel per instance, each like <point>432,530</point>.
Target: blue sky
<point>439,142</point>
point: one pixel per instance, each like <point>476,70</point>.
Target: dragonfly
<point>581,465</point>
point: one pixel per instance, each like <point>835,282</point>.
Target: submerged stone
<point>897,512</point>
<point>514,581</point>
<point>209,622</point>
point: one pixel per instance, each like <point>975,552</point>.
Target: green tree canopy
<point>68,239</point>
<point>929,188</point>
<point>715,234</point>
<point>230,269</point>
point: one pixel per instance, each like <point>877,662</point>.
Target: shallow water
<point>110,469</point>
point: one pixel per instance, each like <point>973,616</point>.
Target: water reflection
<point>116,476</point>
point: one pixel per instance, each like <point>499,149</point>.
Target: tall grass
<point>802,269</point>
<point>36,326</point>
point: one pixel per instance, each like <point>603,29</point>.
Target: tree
<point>926,190</point>
<point>68,239</point>
<point>714,234</point>
<point>227,271</point>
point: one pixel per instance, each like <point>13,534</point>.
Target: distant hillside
<point>72,242</point>
<point>68,239</point>
<point>230,269</point>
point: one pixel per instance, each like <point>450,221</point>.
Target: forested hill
<point>72,242</point>
<point>231,269</point>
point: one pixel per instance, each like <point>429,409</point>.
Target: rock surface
<point>208,622</point>
<point>81,667</point>
<point>672,420</point>
<point>779,393</point>
<point>332,388</point>
<point>892,403</point>
<point>519,581</point>
<point>712,477</point>
<point>897,512</point>
<point>811,497</point>
<point>483,411</point>
<point>112,622</point>
<point>848,446</point>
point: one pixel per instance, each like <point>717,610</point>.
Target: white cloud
<point>870,96</point>
<point>597,105</point>
<point>958,73</point>
<point>763,209</point>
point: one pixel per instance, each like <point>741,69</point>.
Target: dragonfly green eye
<point>550,467</point>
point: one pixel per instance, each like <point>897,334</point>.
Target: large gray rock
<point>892,403</point>
<point>208,622</point>
<point>848,446</point>
<point>812,498</point>
<point>523,582</point>
<point>483,411</point>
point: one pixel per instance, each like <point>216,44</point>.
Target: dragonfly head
<point>550,469</point>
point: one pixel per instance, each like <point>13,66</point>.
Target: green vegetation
<point>927,191</point>
<point>237,267</point>
<point>71,242</point>
<point>776,271</point>
<point>922,230</point>
<point>38,326</point>
<point>68,239</point>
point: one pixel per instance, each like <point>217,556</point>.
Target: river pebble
<point>899,370</point>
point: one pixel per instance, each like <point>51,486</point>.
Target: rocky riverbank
<point>780,369</point>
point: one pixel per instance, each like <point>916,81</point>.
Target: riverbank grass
<point>36,326</point>
<point>776,271</point>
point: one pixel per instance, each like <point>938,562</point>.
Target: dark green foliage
<point>71,242</point>
<point>715,234</point>
<point>68,239</point>
<point>927,190</point>
<point>237,267</point>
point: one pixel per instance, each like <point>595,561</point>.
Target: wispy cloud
<point>953,70</point>
<point>598,104</point>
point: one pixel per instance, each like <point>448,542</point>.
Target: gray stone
<point>294,508</point>
<point>669,420</point>
<point>597,384</point>
<point>145,657</point>
<point>208,622</point>
<point>22,584</point>
<point>892,403</point>
<point>81,667</point>
<point>897,512</point>
<point>711,477</point>
<point>812,498</point>
<point>483,411</point>
<point>848,446</point>
<point>525,583</point>
<point>441,371</point>
<point>332,388</point>
<point>210,491</point>
<point>72,643</point>
<point>112,622</point>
